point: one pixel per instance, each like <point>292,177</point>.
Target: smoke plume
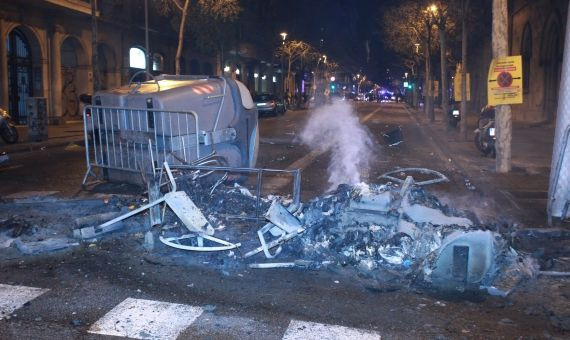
<point>336,128</point>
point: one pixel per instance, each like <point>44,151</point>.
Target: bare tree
<point>409,28</point>
<point>218,9</point>
<point>213,26</point>
<point>503,115</point>
<point>293,51</point>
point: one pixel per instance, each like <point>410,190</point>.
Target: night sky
<point>344,26</point>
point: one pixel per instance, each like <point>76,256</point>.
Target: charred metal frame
<point>439,176</point>
<point>296,173</point>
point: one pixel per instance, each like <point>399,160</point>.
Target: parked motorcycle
<point>454,115</point>
<point>8,129</point>
<point>485,132</point>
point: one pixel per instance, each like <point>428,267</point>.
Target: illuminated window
<point>137,58</point>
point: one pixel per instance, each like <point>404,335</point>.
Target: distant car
<point>350,96</point>
<point>268,103</point>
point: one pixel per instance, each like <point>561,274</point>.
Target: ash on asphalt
<point>386,246</point>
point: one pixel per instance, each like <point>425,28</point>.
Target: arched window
<point>526,52</point>
<point>157,62</point>
<point>137,58</point>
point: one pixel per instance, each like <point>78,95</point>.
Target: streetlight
<point>284,36</point>
<point>433,8</point>
<point>325,58</point>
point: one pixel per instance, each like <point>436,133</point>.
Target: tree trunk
<point>429,90</point>
<point>95,50</point>
<point>289,77</point>
<point>444,86</point>
<point>146,43</point>
<point>463,122</point>
<point>503,115</point>
<point>426,83</point>
<point>221,58</point>
<point>181,35</point>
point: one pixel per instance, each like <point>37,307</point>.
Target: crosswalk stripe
<point>146,319</point>
<point>304,330</point>
<point>149,319</point>
<point>14,297</point>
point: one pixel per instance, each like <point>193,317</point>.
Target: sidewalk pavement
<point>521,194</point>
<point>58,135</point>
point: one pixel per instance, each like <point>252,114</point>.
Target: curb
<point>30,146</point>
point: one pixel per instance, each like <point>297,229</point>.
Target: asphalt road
<point>115,288</point>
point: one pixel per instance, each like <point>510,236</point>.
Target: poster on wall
<point>505,82</point>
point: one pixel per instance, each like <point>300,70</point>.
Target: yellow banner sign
<point>505,81</point>
<point>457,85</point>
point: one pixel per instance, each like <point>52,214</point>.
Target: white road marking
<point>304,330</point>
<point>146,319</point>
<point>14,297</point>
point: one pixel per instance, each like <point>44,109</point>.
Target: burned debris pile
<point>396,232</point>
<point>404,233</point>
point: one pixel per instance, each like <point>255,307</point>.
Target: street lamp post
<point>285,85</point>
<point>428,86</point>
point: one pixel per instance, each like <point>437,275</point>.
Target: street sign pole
<point>503,115</point>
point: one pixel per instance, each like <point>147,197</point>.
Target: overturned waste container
<point>175,119</point>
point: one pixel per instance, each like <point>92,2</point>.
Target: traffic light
<point>333,87</point>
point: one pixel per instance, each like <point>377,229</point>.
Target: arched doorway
<point>551,60</point>
<point>107,66</point>
<point>24,74</point>
<point>74,76</point>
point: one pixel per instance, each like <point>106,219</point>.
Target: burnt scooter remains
<point>8,129</point>
<point>485,132</point>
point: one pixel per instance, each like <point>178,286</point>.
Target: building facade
<point>46,51</point>
<point>537,34</point>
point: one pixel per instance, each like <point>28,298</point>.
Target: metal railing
<point>138,140</point>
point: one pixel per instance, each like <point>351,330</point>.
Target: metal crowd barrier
<point>138,140</point>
